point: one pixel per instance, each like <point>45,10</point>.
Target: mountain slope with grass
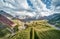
<point>37,30</point>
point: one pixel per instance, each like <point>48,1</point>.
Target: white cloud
<point>14,7</point>
<point>56,6</point>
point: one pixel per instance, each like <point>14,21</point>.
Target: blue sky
<point>47,2</point>
<point>14,7</point>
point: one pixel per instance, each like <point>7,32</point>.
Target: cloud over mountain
<point>30,8</point>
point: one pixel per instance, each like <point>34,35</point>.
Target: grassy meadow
<point>40,29</point>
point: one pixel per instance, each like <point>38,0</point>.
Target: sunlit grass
<point>37,30</point>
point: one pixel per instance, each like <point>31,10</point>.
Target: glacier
<point>27,8</point>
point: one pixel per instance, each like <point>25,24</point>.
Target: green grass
<point>37,30</point>
<point>49,34</point>
<point>3,31</point>
<point>24,34</point>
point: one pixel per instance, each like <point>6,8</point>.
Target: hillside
<point>29,19</point>
<point>55,19</point>
<point>6,31</point>
<point>37,30</point>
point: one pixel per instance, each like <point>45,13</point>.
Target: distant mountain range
<point>54,19</point>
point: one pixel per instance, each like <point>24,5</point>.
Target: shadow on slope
<point>54,19</point>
